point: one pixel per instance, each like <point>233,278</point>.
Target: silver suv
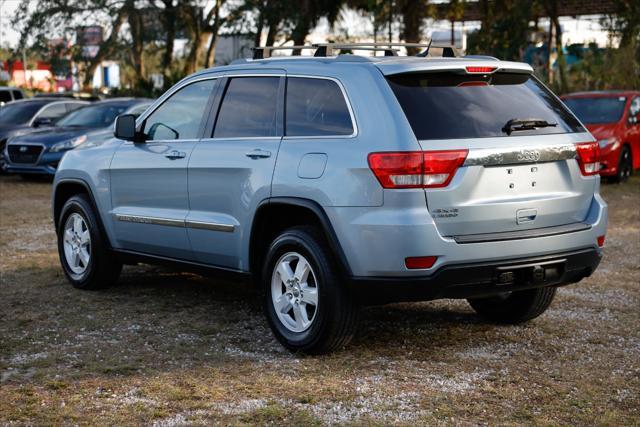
<point>335,181</point>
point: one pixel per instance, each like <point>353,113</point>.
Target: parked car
<point>613,118</point>
<point>336,181</point>
<point>25,116</point>
<point>10,94</point>
<point>40,152</point>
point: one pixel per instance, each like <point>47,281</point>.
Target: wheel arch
<point>275,214</point>
<point>67,188</point>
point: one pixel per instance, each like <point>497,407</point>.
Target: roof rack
<point>262,52</point>
<point>327,49</point>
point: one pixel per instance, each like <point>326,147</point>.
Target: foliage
<point>141,34</point>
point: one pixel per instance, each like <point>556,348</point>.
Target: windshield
<point>597,110</point>
<point>18,113</point>
<point>94,116</point>
<point>447,105</point>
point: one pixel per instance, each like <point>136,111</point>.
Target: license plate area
<point>530,274</point>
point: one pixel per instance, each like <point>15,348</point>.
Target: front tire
<point>514,307</point>
<point>84,254</point>
<point>308,308</point>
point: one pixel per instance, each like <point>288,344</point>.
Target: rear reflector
<point>416,169</point>
<point>420,262</point>
<point>588,157</point>
<point>601,241</point>
<point>475,69</point>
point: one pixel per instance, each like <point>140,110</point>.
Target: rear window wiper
<point>514,125</point>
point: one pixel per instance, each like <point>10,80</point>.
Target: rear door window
<point>316,107</point>
<point>53,112</point>
<point>17,94</point>
<point>5,96</point>
<point>449,106</point>
<point>249,108</point>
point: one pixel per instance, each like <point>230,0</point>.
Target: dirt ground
<point>164,348</point>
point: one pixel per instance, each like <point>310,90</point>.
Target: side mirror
<point>42,121</point>
<point>125,128</point>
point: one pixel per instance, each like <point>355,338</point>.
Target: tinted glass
<point>180,116</point>
<point>316,107</point>
<point>5,96</point>
<point>73,106</point>
<point>634,107</point>
<point>17,94</point>
<point>19,113</point>
<point>597,110</point>
<point>53,112</point>
<point>248,108</point>
<point>94,116</point>
<point>447,105</point>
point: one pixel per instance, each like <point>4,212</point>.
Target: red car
<point>613,117</point>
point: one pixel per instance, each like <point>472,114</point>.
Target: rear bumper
<point>480,279</point>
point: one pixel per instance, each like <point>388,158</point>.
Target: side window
<point>5,96</point>
<point>634,111</point>
<point>248,108</point>
<point>180,116</point>
<point>72,106</point>
<point>316,107</point>
<point>53,112</point>
<point>17,94</point>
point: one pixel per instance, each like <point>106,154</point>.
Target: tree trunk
<point>215,28</point>
<point>135,26</point>
<point>169,16</point>
<point>302,27</point>
<point>412,15</point>
<point>561,60</point>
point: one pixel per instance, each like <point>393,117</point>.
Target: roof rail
<point>262,52</point>
<point>327,49</point>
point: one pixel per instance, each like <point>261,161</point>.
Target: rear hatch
<point>522,169</point>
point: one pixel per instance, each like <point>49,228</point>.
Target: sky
<point>582,30</point>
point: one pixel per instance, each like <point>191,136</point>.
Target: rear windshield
<point>448,105</point>
<point>597,110</point>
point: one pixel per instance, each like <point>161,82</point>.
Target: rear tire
<point>514,307</point>
<point>315,314</point>
<point>625,166</point>
<point>84,253</point>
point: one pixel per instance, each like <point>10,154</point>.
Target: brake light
<point>601,241</point>
<point>588,157</point>
<point>478,69</point>
<point>413,263</point>
<point>416,169</point>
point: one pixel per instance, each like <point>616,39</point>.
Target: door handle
<point>258,154</point>
<point>175,154</point>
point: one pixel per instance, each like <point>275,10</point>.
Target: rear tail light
<point>413,263</point>
<point>416,169</point>
<point>601,241</point>
<point>588,157</point>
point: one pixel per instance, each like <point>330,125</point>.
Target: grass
<point>171,348</point>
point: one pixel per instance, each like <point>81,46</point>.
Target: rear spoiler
<point>461,65</point>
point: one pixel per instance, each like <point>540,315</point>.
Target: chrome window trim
<point>168,94</point>
<point>170,222</point>
<point>354,124</point>
<point>44,107</point>
<point>232,74</point>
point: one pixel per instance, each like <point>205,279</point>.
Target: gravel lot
<point>165,348</point>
